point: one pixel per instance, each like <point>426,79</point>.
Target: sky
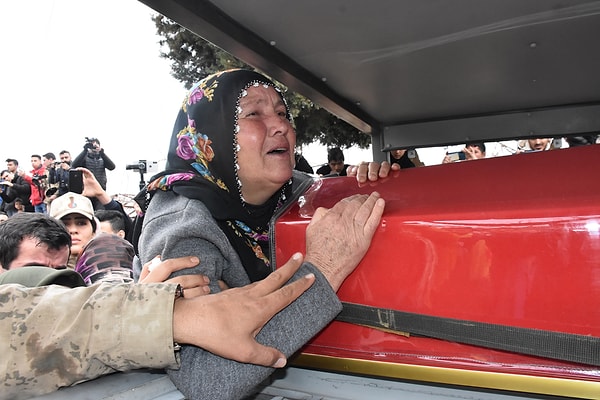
<point>89,68</point>
<point>77,68</point>
<point>92,68</point>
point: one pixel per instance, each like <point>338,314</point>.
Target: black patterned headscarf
<point>202,165</point>
<point>106,252</point>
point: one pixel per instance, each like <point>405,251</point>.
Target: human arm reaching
<point>91,331</point>
<point>92,188</point>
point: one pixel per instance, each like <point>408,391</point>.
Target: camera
<point>89,143</point>
<point>144,166</point>
<point>140,166</point>
<point>37,177</point>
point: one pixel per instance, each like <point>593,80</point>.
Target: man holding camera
<point>15,190</point>
<point>50,163</point>
<point>93,158</point>
<point>38,181</point>
<point>58,175</point>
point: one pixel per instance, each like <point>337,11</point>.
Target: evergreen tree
<point>193,58</point>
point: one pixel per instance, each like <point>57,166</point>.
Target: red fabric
<point>36,196</point>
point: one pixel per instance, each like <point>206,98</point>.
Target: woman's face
<point>81,231</point>
<point>266,142</point>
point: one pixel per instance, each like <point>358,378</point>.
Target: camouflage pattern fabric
<point>53,336</point>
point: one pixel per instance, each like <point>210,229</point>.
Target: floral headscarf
<point>202,164</point>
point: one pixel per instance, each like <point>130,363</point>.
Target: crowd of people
<point>34,190</point>
<point>409,158</point>
<point>191,287</point>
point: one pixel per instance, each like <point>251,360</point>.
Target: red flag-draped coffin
<point>511,240</point>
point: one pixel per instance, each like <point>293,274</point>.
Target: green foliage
<point>317,124</point>
<point>193,58</point>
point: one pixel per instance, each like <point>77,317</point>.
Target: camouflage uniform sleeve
<point>54,336</point>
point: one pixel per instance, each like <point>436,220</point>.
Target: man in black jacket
<point>14,187</point>
<point>93,158</point>
<point>335,163</point>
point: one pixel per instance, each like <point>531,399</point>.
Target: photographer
<point>4,188</point>
<point>59,175</point>
<point>50,163</point>
<point>15,187</point>
<point>38,181</point>
<point>93,158</point>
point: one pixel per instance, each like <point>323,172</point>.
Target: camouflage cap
<point>32,276</point>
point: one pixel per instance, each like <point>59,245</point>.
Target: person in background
<point>229,170</point>
<point>4,190</point>
<point>77,214</point>
<point>472,151</point>
<point>37,179</point>
<point>335,164</point>
<point>7,193</point>
<point>405,158</point>
<point>60,176</point>
<point>20,189</point>
<point>20,206</point>
<point>94,159</point>
<point>3,216</point>
<point>535,144</point>
<point>582,140</point>
<point>302,164</point>
<point>111,221</point>
<point>102,201</point>
<point>35,239</point>
<point>50,164</point>
<point>48,160</point>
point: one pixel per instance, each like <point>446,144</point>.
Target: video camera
<point>37,178</point>
<point>143,166</point>
<point>140,166</point>
<point>89,143</point>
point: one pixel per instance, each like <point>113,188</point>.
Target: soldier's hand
<point>226,323</point>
